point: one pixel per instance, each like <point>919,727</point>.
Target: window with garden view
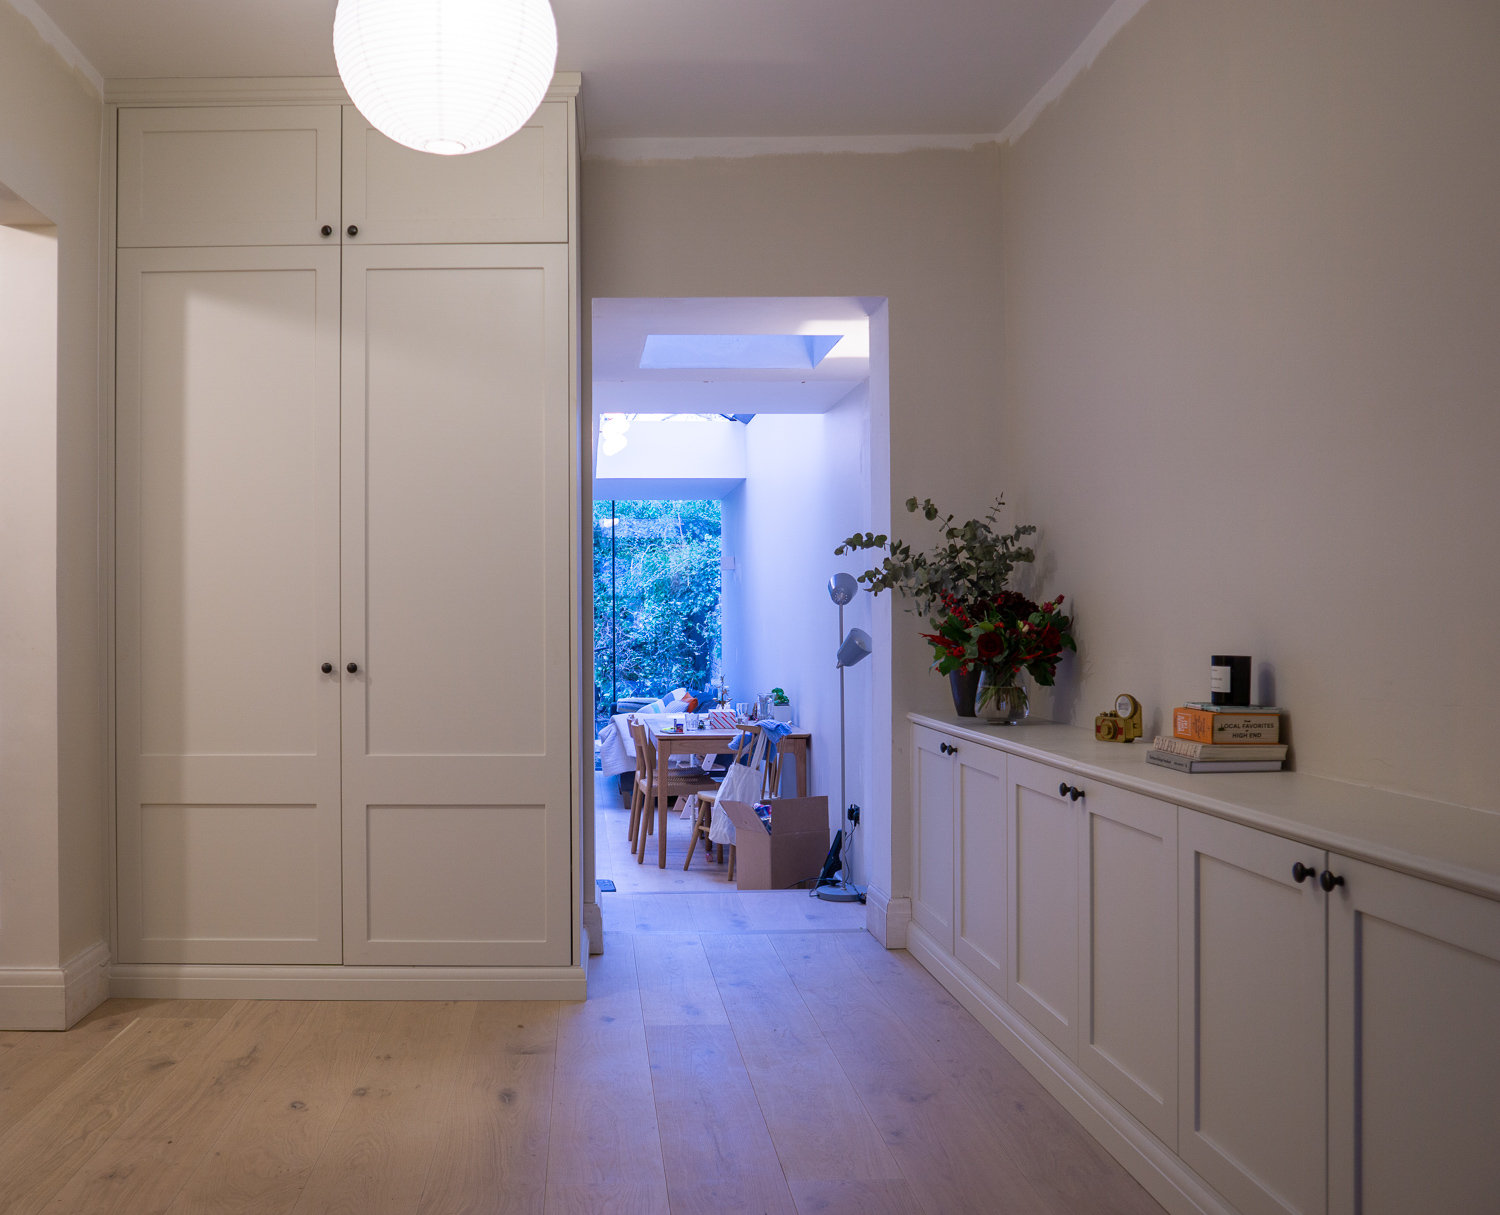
<point>656,599</point>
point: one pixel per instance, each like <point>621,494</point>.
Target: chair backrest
<point>645,751</point>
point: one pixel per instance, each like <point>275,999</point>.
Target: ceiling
<point>670,68</point>
<point>621,327</point>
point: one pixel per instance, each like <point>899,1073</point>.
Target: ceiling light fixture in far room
<point>736,351</point>
<point>446,76</point>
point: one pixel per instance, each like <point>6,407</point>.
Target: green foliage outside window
<point>656,627</point>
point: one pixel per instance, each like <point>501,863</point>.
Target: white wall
<point>52,738</point>
<point>1252,277</point>
<point>806,488</point>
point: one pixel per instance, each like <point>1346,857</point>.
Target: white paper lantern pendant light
<point>446,76</point>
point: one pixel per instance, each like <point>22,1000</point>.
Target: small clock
<point>1123,724</point>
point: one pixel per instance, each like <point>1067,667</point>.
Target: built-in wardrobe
<point>346,519</point>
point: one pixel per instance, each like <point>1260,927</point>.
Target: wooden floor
<point>614,860</point>
<point>745,1054</point>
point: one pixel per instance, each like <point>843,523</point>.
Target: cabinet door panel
<point>980,929</point>
<point>516,191</point>
<point>456,527</point>
<point>227,175</point>
<point>227,605</point>
<point>1128,954</point>
<point>1252,976</point>
<point>1042,834</point>
<point>932,867</point>
<point>1414,1064</point>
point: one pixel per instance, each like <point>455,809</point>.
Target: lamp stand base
<point>840,894</point>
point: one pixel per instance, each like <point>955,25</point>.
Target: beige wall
<point>1252,300</point>
<point>51,736</point>
<point>918,228</point>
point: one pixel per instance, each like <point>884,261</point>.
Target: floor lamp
<point>853,648</point>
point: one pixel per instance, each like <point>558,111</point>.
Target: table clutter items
<point>983,633</point>
<point>1218,738</point>
<point>1122,723</point>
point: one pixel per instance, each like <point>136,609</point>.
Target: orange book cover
<point>1199,725</point>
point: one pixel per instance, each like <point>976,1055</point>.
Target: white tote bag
<point>743,784</point>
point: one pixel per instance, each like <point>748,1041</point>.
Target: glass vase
<point>1000,699</point>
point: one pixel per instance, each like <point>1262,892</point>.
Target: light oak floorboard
<point>491,1157</point>
<point>1063,1162</point>
<point>42,1151</point>
<point>605,1149</point>
<point>154,1151</point>
<point>676,984</point>
<point>950,1156</point>
<point>820,1129</point>
<point>858,1198</point>
<point>33,1063</point>
<point>377,1159</point>
<point>263,1158</point>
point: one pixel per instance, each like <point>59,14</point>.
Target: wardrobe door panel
<point>227,567</point>
<point>457,787</point>
<point>516,191</point>
<point>229,175</point>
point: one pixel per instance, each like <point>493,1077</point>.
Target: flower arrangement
<point>979,625</point>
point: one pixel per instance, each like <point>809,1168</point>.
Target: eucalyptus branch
<point>971,562</point>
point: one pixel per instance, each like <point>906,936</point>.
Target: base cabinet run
<point>1292,1043</point>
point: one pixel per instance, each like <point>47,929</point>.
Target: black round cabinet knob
<point>353,668</point>
<point>1301,872</point>
<point>327,229</point>
<point>1062,790</point>
<point>353,230</point>
<point>1329,880</point>
<point>328,668</point>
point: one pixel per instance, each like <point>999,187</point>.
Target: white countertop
<point>1456,845</point>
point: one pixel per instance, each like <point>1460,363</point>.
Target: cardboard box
<point>792,851</point>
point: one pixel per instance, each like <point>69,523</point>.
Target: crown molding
<point>265,90</point>
<point>736,147</point>
<point>1114,20</point>
<point>59,42</point>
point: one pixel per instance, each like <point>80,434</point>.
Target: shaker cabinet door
<point>932,866</point>
<point>229,175</point>
<point>1414,1053</point>
<point>514,192</point>
<point>981,910</point>
<point>1127,973</point>
<point>1042,842</point>
<point>1252,974</point>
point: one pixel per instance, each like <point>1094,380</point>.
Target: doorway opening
<point>733,452</point>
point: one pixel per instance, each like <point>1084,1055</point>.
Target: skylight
<point>740,351</point>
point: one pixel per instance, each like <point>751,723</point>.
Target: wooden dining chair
<point>642,777</point>
<point>679,784</point>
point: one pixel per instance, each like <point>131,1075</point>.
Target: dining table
<point>670,737</point>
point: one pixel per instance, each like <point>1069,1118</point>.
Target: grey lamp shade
<point>856,648</point>
<point>842,588</point>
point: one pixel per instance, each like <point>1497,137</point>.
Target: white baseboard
<point>886,918</point>
<point>593,927</point>
<point>55,997</point>
<point>185,981</point>
<point>1167,1179</point>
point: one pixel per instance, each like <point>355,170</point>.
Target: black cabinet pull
<point>1329,880</point>
<point>327,229</point>
<point>353,230</point>
<point>1301,872</point>
<point>1071,791</point>
<point>328,668</point>
<point>947,750</point>
<point>352,668</point>
<point>1062,790</point>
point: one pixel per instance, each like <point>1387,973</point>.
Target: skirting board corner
<point>55,998</point>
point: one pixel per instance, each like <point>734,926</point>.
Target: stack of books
<point>1221,738</point>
